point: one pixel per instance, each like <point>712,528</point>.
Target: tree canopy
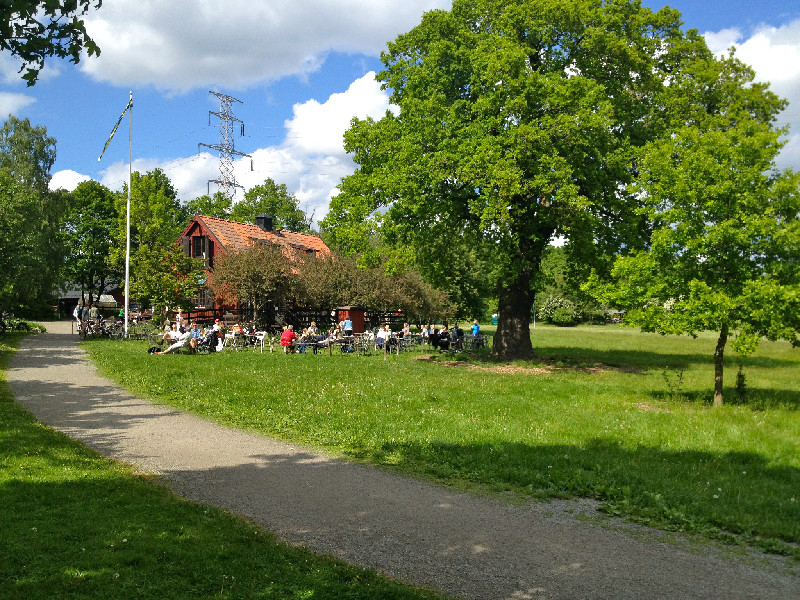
<point>88,227</point>
<point>33,30</point>
<point>519,120</point>
<point>274,200</point>
<point>30,218</point>
<point>725,250</point>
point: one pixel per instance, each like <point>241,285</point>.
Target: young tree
<point>88,231</point>
<point>33,30</point>
<point>519,121</point>
<point>274,200</point>
<point>725,250</point>
<point>258,274</point>
<point>157,219</point>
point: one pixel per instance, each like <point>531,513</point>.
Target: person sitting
<point>288,338</point>
<point>172,334</point>
<point>183,340</point>
<point>444,339</point>
<point>312,329</point>
<point>197,335</point>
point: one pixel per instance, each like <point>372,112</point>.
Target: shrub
<point>563,317</point>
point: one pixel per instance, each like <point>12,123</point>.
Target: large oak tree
<point>519,120</point>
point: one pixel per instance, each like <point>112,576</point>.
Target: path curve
<point>418,532</point>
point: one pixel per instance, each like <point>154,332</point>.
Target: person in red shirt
<point>288,338</point>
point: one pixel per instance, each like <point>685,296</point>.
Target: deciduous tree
<point>274,200</point>
<point>519,121</point>
<point>258,274</point>
<point>725,252</point>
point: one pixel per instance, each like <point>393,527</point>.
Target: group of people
<point>87,312</point>
<point>177,335</point>
<point>310,338</point>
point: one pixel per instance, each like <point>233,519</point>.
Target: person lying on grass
<point>183,340</point>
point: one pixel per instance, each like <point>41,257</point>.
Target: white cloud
<point>11,104</point>
<point>774,54</point>
<point>311,161</point>
<point>66,180</point>
<point>185,44</point>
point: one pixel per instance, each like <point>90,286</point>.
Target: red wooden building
<point>209,237</point>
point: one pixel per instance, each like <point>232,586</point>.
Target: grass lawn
<point>609,413</point>
<point>75,525</point>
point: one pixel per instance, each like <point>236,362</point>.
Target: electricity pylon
<point>227,178</point>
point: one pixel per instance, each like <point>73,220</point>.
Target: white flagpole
<point>128,217</point>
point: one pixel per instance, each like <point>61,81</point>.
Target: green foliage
<point>30,218</point>
<point>88,236</point>
<point>27,153</point>
<point>339,281</point>
<point>258,274</point>
<point>165,277</point>
<point>495,150</point>
<point>563,317</point>
<point>218,205</point>
<point>32,30</point>
<point>595,419</point>
<point>726,242</point>
<point>553,305</point>
<point>274,200</point>
<point>159,272</point>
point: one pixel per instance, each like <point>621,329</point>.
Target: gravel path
<point>418,532</point>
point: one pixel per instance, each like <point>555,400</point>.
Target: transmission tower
<point>227,178</point>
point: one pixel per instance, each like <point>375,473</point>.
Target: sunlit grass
<point>75,525</point>
<point>608,413</point>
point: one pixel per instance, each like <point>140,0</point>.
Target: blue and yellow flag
<point>113,131</point>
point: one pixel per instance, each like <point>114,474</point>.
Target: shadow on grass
<point>758,399</point>
<point>73,526</point>
<point>728,493</point>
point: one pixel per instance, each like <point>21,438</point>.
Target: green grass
<point>75,525</point>
<point>619,416</point>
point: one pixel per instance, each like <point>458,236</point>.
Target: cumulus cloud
<point>67,180</point>
<point>774,54</point>
<point>310,161</point>
<point>11,104</point>
<point>185,44</point>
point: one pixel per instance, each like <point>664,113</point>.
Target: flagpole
<point>128,214</point>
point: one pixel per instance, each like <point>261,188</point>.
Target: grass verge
<point>608,413</point>
<point>75,525</point>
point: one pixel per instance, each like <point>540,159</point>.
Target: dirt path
<point>422,533</point>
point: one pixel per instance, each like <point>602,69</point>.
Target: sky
<point>301,70</point>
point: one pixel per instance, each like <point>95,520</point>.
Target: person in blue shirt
<point>348,327</point>
<point>476,329</point>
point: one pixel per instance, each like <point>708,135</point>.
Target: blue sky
<point>302,69</point>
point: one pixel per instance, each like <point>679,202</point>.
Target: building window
<point>205,298</point>
<point>202,247</point>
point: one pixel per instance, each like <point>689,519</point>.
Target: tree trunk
<point>719,354</point>
<point>515,301</point>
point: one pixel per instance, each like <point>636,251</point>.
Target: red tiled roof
<point>232,234</point>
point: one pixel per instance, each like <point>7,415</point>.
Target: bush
<point>563,317</point>
<point>567,312</point>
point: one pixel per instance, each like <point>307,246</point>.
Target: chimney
<point>264,222</point>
